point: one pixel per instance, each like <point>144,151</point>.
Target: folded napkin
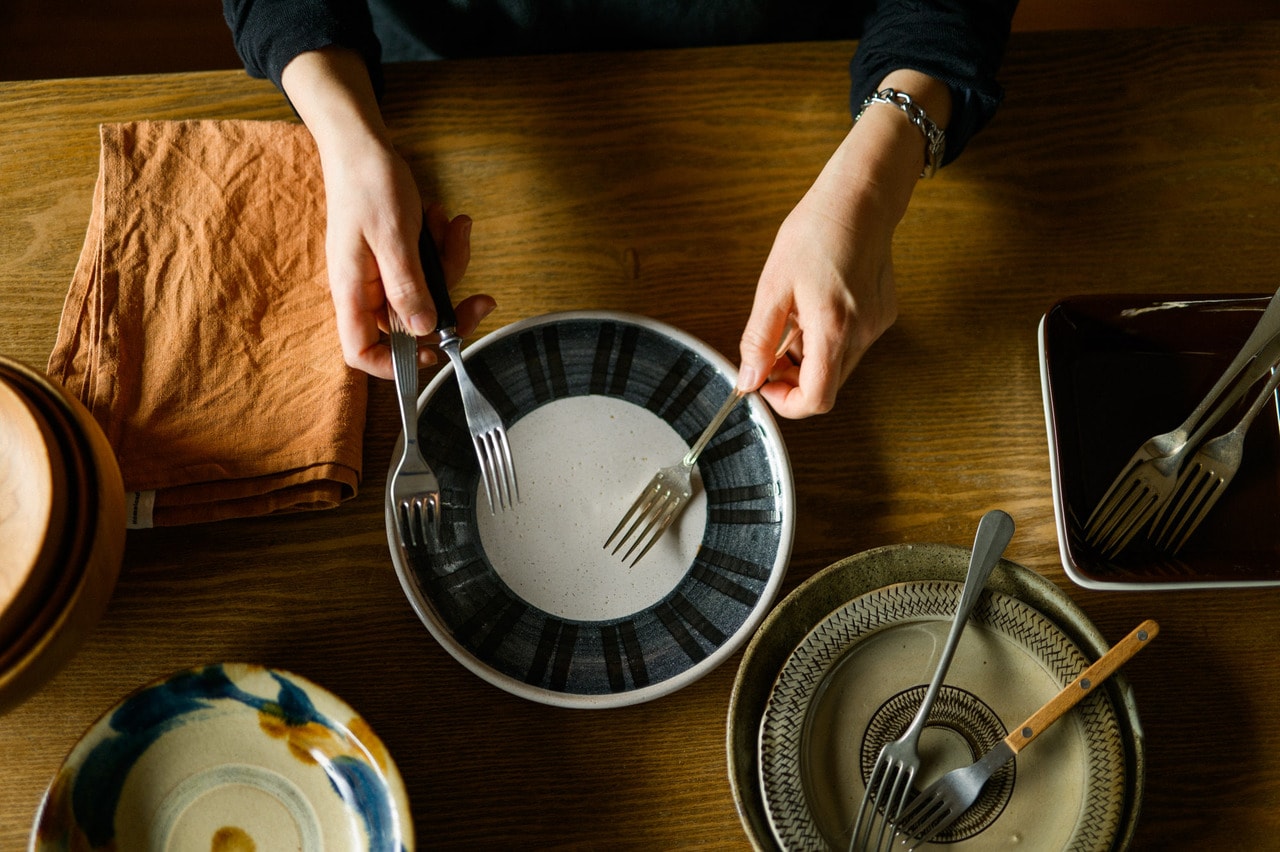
<point>198,327</point>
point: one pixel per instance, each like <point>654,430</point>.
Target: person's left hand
<point>831,265</point>
<point>830,268</point>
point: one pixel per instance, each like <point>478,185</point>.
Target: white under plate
<point>528,598</point>
<point>227,757</point>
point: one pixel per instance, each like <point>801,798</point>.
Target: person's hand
<point>830,270</point>
<point>374,214</point>
<point>374,218</point>
<point>831,266</point>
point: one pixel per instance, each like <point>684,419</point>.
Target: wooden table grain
<point>1122,161</point>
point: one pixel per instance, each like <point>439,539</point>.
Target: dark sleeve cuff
<point>958,43</point>
<point>268,34</point>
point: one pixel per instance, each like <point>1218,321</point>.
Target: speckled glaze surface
<point>227,757</point>
<point>594,404</point>
<point>833,589</point>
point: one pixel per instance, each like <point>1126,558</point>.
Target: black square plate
<point>1117,369</point>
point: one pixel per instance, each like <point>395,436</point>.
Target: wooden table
<point>1143,161</point>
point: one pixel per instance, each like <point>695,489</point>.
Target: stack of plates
<point>840,665</point>
<point>62,521</point>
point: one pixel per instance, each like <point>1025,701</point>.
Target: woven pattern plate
<point>856,681</point>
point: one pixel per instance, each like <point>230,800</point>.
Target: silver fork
<point>896,766</point>
<point>488,434</point>
<point>661,501</point>
<point>944,801</point>
<point>415,492</point>
<point>1206,476</point>
<point>1148,478</point>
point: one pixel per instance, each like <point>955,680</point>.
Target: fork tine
<point>669,511</point>
<point>403,521</point>
<point>1127,522</point>
<point>639,505</point>
<point>427,511</point>
<point>1106,503</point>
<point>1189,526</point>
<point>887,777</point>
<point>506,466</point>
<point>893,805</point>
<point>1112,511</point>
<point>927,815</point>
<point>1187,495</point>
<point>407,521</point>
<point>654,511</point>
<point>1183,522</point>
<point>418,518</point>
<point>869,798</point>
<point>486,470</point>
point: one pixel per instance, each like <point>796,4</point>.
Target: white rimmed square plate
<point>1117,369</point>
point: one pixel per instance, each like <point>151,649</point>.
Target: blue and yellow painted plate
<point>227,757</point>
<point>528,598</point>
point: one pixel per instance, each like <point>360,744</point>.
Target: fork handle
<point>1264,333</point>
<point>433,270</point>
<point>1263,397</point>
<point>995,529</point>
<point>1085,684</point>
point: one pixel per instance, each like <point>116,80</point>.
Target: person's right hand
<point>374,214</point>
<point>374,217</point>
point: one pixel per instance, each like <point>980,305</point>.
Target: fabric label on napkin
<point>198,328</point>
<point>140,505</point>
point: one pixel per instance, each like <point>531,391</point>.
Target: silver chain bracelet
<point>934,137</point>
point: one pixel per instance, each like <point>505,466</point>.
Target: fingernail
<point>748,378</point>
<point>420,324</point>
<point>466,229</point>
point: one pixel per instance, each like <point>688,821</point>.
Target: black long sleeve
<point>268,34</point>
<point>959,42</point>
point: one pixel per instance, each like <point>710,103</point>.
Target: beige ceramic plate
<point>831,590</point>
<point>857,679</point>
<point>32,482</point>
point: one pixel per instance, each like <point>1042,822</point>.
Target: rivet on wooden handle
<point>1075,691</point>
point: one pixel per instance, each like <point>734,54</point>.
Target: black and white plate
<point>528,598</point>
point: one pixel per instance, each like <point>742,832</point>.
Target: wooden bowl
<point>33,488</point>
<point>88,551</point>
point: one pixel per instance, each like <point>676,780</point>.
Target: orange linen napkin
<point>198,328</point>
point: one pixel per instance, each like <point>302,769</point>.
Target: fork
<point>898,762</point>
<point>488,435</point>
<point>1148,478</point>
<point>415,492</point>
<point>661,501</point>
<point>944,801</point>
<point>1206,476</point>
